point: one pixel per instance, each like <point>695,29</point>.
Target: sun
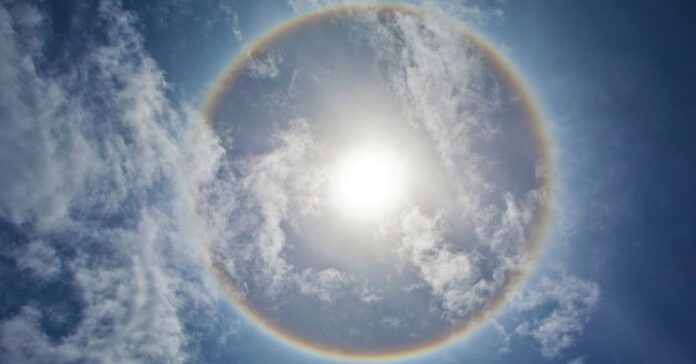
<point>368,181</point>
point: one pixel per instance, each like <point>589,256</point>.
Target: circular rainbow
<point>536,123</point>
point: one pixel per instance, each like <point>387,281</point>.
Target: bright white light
<point>368,182</point>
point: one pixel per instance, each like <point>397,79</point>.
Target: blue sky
<point>107,158</point>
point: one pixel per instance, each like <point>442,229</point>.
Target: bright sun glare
<point>368,182</point>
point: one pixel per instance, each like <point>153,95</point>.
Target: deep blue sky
<point>619,76</point>
<point>616,83</point>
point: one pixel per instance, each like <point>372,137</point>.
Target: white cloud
<point>40,258</point>
<point>236,28</point>
<point>580,360</point>
<point>230,17</point>
<point>452,276</point>
<point>32,183</point>
<point>505,347</point>
<point>265,65</point>
<point>304,6</point>
<point>450,102</point>
<point>572,300</point>
<point>321,283</point>
<point>468,10</point>
<point>23,342</point>
<point>98,160</point>
<point>269,186</point>
<point>391,322</point>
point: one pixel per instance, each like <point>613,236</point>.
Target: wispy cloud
<point>40,258</point>
<point>94,155</point>
<point>572,300</point>
<point>266,65</point>
<point>580,360</point>
<point>452,103</point>
<point>467,10</point>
